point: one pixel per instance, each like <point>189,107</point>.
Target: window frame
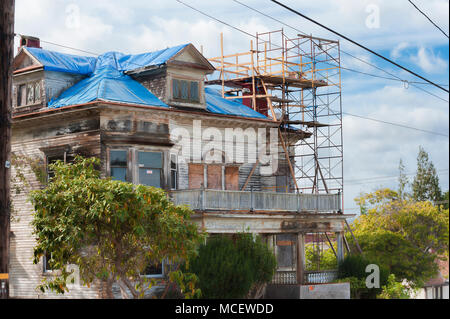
<point>177,90</point>
<point>127,167</point>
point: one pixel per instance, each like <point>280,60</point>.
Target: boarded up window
<point>286,252</point>
<point>232,178</point>
<point>196,176</point>
<point>214,176</point>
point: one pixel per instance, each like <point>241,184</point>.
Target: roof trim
<point>100,103</point>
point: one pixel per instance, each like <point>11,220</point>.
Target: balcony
<point>218,200</point>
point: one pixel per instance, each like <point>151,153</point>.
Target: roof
<point>106,80</point>
<point>63,62</point>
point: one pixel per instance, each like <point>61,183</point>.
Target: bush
<point>233,267</point>
<point>353,269</point>
<point>394,290</point>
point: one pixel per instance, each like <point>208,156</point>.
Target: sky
<point>395,29</point>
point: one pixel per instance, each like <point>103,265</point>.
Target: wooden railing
<point>209,199</point>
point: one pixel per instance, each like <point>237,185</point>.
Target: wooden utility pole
<point>6,57</point>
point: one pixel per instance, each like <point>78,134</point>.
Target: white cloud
<point>428,61</point>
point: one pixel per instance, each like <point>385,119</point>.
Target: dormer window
<point>29,94</point>
<point>185,91</point>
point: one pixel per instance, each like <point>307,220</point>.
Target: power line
<point>367,118</point>
<point>396,78</point>
<point>396,124</point>
<point>428,18</point>
<point>376,179</point>
<point>360,45</point>
<point>348,69</point>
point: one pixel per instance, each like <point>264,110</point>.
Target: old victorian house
<point>152,119</point>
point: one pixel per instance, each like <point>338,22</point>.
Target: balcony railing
<point>320,276</point>
<point>210,199</point>
<point>310,277</point>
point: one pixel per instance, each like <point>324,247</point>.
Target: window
<point>150,168</point>
<point>63,157</point>
<point>154,269</point>
<point>28,94</point>
<point>118,165</point>
<point>173,171</point>
<point>45,260</point>
<point>21,95</point>
<point>184,90</point>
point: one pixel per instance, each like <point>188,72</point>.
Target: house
<point>437,287</point>
<point>151,120</point>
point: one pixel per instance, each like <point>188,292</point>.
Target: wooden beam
<point>300,258</point>
<point>250,175</point>
<point>7,54</point>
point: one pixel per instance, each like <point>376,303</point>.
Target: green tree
<point>111,229</point>
<point>235,267</point>
<point>353,270</point>
<point>407,237</point>
<point>402,181</point>
<point>319,260</point>
<point>426,182</point>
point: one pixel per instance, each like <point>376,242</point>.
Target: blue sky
<point>392,28</point>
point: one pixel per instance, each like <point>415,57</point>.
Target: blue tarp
<point>216,104</point>
<point>61,62</point>
<point>107,81</point>
<point>107,84</point>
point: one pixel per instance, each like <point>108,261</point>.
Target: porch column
<point>340,246</point>
<point>300,258</point>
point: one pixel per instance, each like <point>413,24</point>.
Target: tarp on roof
<point>136,61</point>
<point>107,84</point>
<point>216,104</point>
<point>62,62</point>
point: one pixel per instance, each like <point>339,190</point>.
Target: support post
<point>340,246</point>
<point>300,258</point>
<point>6,54</point>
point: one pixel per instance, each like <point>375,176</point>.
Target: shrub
<point>394,290</point>
<point>354,267</point>
<point>233,267</point>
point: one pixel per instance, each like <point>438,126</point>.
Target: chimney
<point>30,42</point>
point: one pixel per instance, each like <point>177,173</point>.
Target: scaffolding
<point>297,83</point>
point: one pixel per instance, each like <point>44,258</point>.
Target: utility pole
<point>6,57</point>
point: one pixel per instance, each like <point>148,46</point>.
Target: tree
<point>406,236</point>
<point>111,229</point>
<point>353,269</point>
<point>426,182</point>
<point>235,267</point>
<point>402,181</point>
